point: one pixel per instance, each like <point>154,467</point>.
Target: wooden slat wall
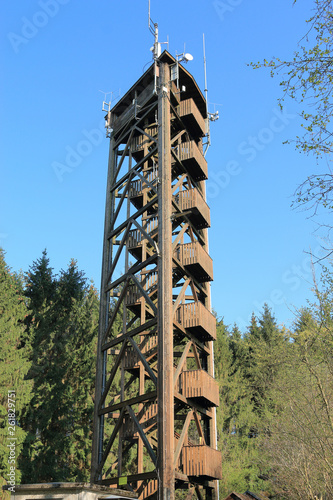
<point>188,150</point>
<point>194,253</point>
<point>195,314</point>
<point>118,122</point>
<point>199,384</point>
<point>188,107</point>
<point>135,236</point>
<point>136,186</point>
<point>202,461</point>
<point>132,358</point>
<point>138,142</point>
<point>190,199</point>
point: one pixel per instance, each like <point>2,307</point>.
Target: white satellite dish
<point>188,57</point>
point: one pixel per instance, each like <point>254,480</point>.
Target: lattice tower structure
<point>156,396</point>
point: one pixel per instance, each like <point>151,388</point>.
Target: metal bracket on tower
<point>107,109</point>
<point>211,117</point>
<point>136,106</point>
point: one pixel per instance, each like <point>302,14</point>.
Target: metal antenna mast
<point>211,117</point>
<point>206,96</point>
<point>153,28</point>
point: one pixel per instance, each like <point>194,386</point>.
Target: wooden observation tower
<point>155,418</point>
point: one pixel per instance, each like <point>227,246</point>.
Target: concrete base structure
<point>68,491</point>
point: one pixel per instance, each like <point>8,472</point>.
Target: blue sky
<point>57,55</point>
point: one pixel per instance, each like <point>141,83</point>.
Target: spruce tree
<point>60,413</point>
<point>266,343</point>
<point>14,365</point>
<point>235,415</point>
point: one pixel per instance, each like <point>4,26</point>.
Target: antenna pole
<point>153,28</point>
<point>206,94</point>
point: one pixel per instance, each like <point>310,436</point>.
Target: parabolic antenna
<point>188,57</point>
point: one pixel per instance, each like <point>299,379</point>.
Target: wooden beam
<point>110,443</point>
<point>165,388</point>
<point>119,229</point>
<point>182,437</point>
<point>132,270</point>
<point>130,478</point>
<point>132,401</point>
<point>131,333</point>
<point>181,296</point>
<point>143,361</point>
<point>181,362</point>
<point>142,435</point>
<point>112,374</point>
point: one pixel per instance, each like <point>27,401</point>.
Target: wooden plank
<point>132,401</point>
<point>142,435</point>
<point>182,437</point>
<point>165,387</point>
<point>110,443</point>
<point>131,333</point>
<point>129,113</point>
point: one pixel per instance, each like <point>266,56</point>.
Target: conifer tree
<point>64,319</point>
<point>14,366</point>
<point>266,343</point>
<point>235,415</point>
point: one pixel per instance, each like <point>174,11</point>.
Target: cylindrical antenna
<point>206,94</point>
<point>205,68</point>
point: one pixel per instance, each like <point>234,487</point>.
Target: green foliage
<point>297,449</point>
<point>15,364</point>
<point>266,343</point>
<point>63,324</point>
<point>235,416</point>
<point>247,367</point>
<point>274,422</point>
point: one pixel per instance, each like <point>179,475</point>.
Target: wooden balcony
<point>191,256</point>
<point>148,347</point>
<point>202,461</point>
<point>137,187</point>
<point>133,295</point>
<point>122,114</point>
<point>147,417</point>
<point>136,237</point>
<point>189,201</point>
<point>192,159</point>
<point>196,318</point>
<point>196,260</point>
<point>201,386</point>
<point>149,490</point>
<point>130,430</point>
<point>134,243</point>
<point>132,299</point>
<point>192,118</point>
<point>140,142</point>
<point>192,202</point>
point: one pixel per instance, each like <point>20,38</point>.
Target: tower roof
<point>185,78</point>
